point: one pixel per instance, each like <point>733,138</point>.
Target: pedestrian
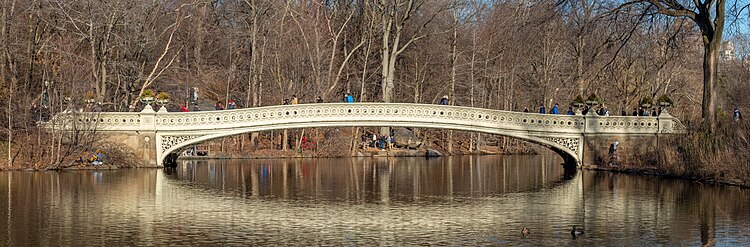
<point>444,100</point>
<point>349,98</point>
<point>383,142</point>
<point>183,108</point>
<point>585,110</point>
<point>36,113</point>
<point>195,95</point>
<point>319,100</point>
<point>635,112</point>
<point>218,106</point>
<point>653,112</point>
<point>554,110</point>
<point>44,113</point>
<point>542,109</point>
<point>613,154</point>
<point>286,102</point>
<point>97,158</point>
<point>346,97</point>
<point>570,111</point>
<point>526,109</point>
<point>622,112</point>
<point>294,100</point>
<point>737,115</point>
<point>231,105</point>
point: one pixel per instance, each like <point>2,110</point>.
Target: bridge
<point>578,139</point>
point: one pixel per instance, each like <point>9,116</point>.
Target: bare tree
<point>709,16</point>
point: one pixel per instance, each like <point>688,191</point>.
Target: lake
<point>455,201</point>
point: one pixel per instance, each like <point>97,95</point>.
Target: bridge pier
<point>142,143</point>
<point>596,148</point>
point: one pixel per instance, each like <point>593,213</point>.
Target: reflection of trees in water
<point>669,210</point>
<point>374,179</point>
<point>48,208</point>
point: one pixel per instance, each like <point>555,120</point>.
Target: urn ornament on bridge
<point>147,97</point>
<point>90,98</point>
<point>592,100</point>
<point>577,104</point>
<point>162,99</point>
<point>646,102</point>
<point>665,101</point>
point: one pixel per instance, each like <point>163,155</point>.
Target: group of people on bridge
<point>602,111</point>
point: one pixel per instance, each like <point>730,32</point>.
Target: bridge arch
<point>567,147</point>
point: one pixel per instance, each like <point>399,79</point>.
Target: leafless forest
<point>501,54</point>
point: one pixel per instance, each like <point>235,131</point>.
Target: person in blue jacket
<point>554,110</point>
<point>570,111</point>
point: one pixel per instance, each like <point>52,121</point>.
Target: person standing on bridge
<point>526,109</point>
<point>542,109</point>
<point>231,105</point>
<point>218,106</point>
<point>319,100</point>
<point>554,110</point>
<point>570,111</point>
<point>294,99</point>
<point>444,100</point>
<point>349,98</point>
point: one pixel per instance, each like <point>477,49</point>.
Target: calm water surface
<point>394,202</point>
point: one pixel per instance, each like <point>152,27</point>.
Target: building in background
<point>726,53</point>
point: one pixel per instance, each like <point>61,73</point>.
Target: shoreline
<point>654,172</point>
<point>623,169</point>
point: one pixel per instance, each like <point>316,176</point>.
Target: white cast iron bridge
<point>169,132</point>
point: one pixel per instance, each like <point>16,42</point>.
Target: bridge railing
<point>368,114</point>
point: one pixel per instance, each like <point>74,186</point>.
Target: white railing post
<point>147,116</point>
<point>665,122</point>
<point>591,120</point>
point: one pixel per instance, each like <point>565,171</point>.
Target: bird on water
<point>525,232</point>
<point>576,231</point>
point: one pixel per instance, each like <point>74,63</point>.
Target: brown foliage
<point>722,157</point>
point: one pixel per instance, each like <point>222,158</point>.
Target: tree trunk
<point>285,141</point>
<point>10,126</point>
<point>710,75</point>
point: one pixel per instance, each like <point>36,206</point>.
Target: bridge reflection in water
<point>375,179</point>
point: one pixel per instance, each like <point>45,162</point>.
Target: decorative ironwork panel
<point>170,141</point>
<point>572,144</point>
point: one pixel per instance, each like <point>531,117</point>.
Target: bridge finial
<point>148,109</point>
